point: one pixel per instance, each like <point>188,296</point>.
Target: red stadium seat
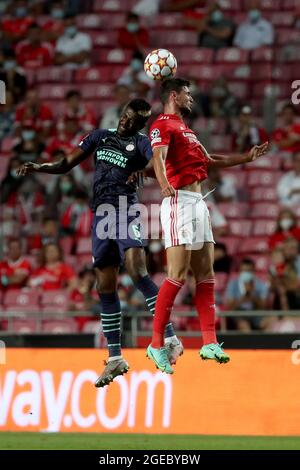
<point>263,194</point>
<point>97,90</point>
<point>65,326</point>
<point>113,5</point>
<point>263,227</point>
<point>263,210</point>
<point>232,5</point>
<point>113,56</point>
<point>221,143</point>
<point>281,90</point>
<point>233,210</point>
<point>262,263</point>
<point>262,54</point>
<point>84,246</point>
<point>239,89</point>
<point>54,74</point>
<point>270,5</point>
<point>91,21</point>
<point>104,38</point>
<point>287,35</point>
<point>57,106</point>
<point>254,245</point>
<point>94,74</point>
<point>7,144</point>
<point>288,5</point>
<point>241,228</point>
<point>279,19</point>
<point>221,281</point>
<point>24,326</point>
<point>167,21</point>
<point>213,125</point>
<point>270,162</point>
<point>174,38</point>
<point>66,244</point>
<point>232,54</point>
<point>194,54</point>
<point>281,71</point>
<point>263,178</point>
<point>232,244</point>
<point>23,298</point>
<point>55,301</point>
<point>83,261</point>
<point>54,92</point>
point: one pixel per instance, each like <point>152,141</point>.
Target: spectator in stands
<point>32,114</point>
<point>78,174</point>
<point>222,261</point>
<point>111,116</point>
<point>15,269</point>
<point>17,22</point>
<point>288,188</point>
<point>133,36</point>
<point>62,196</point>
<point>32,52</point>
<point>54,27</point>
<point>29,147</point>
<point>13,75</point>
<point>135,78</point>
<point>286,228</point>
<point>54,273</point>
<point>77,219</point>
<point>285,278</point>
<point>76,110</point>
<point>256,31</point>
<point>287,137</point>
<point>247,292</point>
<point>73,47</point>
<point>49,233</point>
<point>7,116</point>
<point>85,297</point>
<point>11,182</point>
<point>215,30</point>
<point>181,5</point>
<point>223,186</point>
<point>218,221</point>
<point>222,102</point>
<point>248,132</point>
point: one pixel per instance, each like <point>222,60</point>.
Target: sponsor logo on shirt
<point>111,156</point>
<point>155,133</point>
<point>129,147</point>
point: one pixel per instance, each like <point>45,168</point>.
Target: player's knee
<point>205,274</point>
<point>177,274</point>
<point>105,287</point>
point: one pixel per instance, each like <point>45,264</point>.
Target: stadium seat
<point>232,54</point>
<point>97,90</point>
<point>84,246</point>
<point>241,228</point>
<point>232,5</point>
<point>113,5</point>
<point>54,74</point>
<point>268,162</point>
<point>167,21</point>
<point>262,263</point>
<point>83,261</point>
<point>262,54</point>
<point>263,194</point>
<point>239,89</point>
<point>254,245</point>
<point>232,244</point>
<point>194,54</point>
<point>113,56</point>
<point>270,4</point>
<point>287,36</point>
<point>263,210</point>
<point>55,91</point>
<point>66,244</point>
<point>92,21</point>
<point>65,326</point>
<point>263,227</point>
<point>55,301</point>
<point>263,178</point>
<point>24,326</point>
<point>173,38</point>
<point>221,143</point>
<point>239,176</point>
<point>221,281</point>
<point>104,38</point>
<point>278,19</point>
<point>7,144</point>
<point>93,74</point>
<point>25,299</point>
<point>91,327</point>
<point>233,210</point>
<point>213,125</point>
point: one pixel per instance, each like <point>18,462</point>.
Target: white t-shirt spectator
<point>251,35</point>
<point>288,189</point>
<point>70,46</point>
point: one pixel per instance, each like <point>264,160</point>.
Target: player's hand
<point>136,178</point>
<point>258,151</point>
<point>168,191</point>
<point>27,168</point>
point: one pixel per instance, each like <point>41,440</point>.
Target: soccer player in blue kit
<point>116,234</point>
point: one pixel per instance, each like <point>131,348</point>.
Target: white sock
<point>172,339</point>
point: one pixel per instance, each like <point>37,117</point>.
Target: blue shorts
<point>112,235</point>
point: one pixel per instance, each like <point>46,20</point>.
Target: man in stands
<point>73,48</point>
<point>32,114</point>
<point>15,270</point>
<point>32,52</point>
<point>287,137</point>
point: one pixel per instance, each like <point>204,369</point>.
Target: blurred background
<point>69,67</point>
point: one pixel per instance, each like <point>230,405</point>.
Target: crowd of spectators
<point>44,219</point>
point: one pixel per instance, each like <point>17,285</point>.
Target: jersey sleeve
<point>90,142</point>
<point>146,149</point>
<point>160,134</point>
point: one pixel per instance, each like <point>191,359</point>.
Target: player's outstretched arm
<point>59,167</point>
<point>159,157</point>
<point>224,161</point>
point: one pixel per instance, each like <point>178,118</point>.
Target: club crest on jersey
<point>155,133</point>
<point>129,147</point>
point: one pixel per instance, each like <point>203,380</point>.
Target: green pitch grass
<point>63,441</point>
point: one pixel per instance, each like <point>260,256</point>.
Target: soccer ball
<point>160,64</point>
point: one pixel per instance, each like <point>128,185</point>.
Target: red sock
<point>205,304</point>
<point>164,303</point>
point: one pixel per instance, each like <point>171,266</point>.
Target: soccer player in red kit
<point>180,163</point>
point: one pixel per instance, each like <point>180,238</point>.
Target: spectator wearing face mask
<point>222,103</point>
<point>215,30</point>
<point>15,25</point>
<point>133,36</point>
<point>288,188</point>
<point>286,228</point>
<point>54,27</point>
<point>32,114</point>
<point>14,269</point>
<point>248,133</point>
<point>248,293</point>
<point>78,217</point>
<point>32,52</point>
<point>76,110</point>
<point>29,148</point>
<point>256,31</point>
<point>222,261</point>
<point>112,114</point>
<point>73,47</point>
<point>62,196</point>
<point>134,77</point>
<point>14,76</point>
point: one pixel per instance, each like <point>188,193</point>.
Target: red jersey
<point>10,268</point>
<point>281,134</point>
<point>53,278</point>
<point>37,120</point>
<point>34,57</point>
<point>187,159</point>
<point>16,27</point>
<point>278,238</point>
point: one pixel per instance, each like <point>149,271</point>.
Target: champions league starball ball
<point>160,64</point>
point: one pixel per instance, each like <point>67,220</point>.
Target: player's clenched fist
<point>27,168</point>
<point>168,191</point>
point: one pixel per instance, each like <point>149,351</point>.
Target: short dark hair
<point>132,16</point>
<point>141,107</point>
<point>248,261</point>
<point>289,106</point>
<point>33,26</point>
<point>72,93</point>
<point>172,84</point>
